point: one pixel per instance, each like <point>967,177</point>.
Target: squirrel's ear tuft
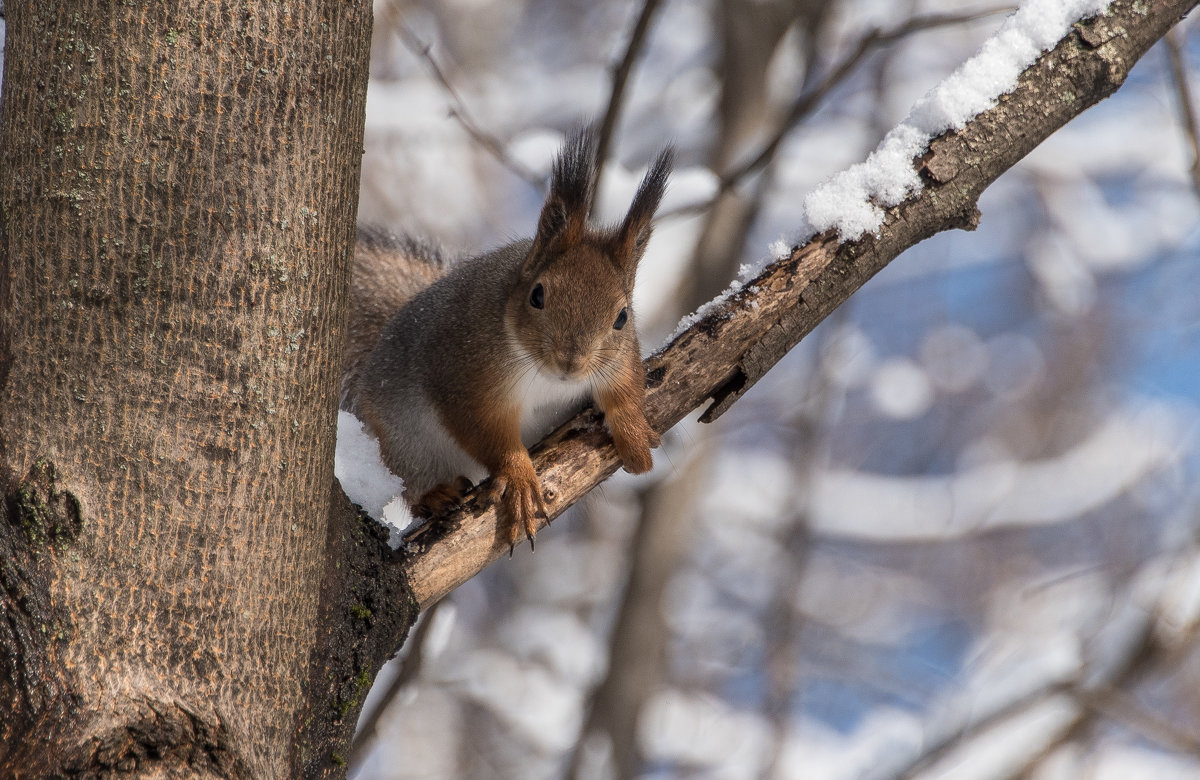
<point>635,230</point>
<point>564,215</point>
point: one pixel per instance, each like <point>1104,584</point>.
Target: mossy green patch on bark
<point>50,517</point>
<point>360,684</point>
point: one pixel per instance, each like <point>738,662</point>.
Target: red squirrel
<point>457,367</point>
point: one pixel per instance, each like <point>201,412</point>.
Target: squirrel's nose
<point>576,363</point>
<point>571,356</point>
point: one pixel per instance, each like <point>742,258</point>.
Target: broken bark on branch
<point>737,340</point>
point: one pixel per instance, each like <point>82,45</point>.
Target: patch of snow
<point>688,320</point>
<point>367,482</point>
<point>780,249</point>
<point>852,201</point>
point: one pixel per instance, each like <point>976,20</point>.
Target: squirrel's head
<point>571,309</point>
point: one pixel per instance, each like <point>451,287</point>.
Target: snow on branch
<point>918,185</point>
<point>853,201</point>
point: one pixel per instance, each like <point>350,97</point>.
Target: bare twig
<point>458,108</point>
<point>943,745</point>
<point>1105,696</point>
<point>1179,74</point>
<point>1108,697</point>
<point>620,77</point>
<point>1135,664</point>
<point>808,100</point>
<point>1117,705</point>
<point>751,32</point>
<point>1138,652</point>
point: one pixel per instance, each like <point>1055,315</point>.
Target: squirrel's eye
<point>537,297</point>
<point>622,318</point>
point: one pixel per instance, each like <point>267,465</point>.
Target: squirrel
<point>457,367</point>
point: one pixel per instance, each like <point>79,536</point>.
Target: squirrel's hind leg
<point>443,497</point>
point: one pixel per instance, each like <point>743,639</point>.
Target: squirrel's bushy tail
<point>386,273</point>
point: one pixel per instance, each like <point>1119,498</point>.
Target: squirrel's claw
<point>516,490</point>
<point>531,528</point>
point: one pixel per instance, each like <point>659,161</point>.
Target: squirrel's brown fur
<point>478,359</point>
<point>387,272</point>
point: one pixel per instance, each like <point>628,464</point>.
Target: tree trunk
<point>179,189</point>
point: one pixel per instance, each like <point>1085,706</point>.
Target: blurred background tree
<point>953,534</point>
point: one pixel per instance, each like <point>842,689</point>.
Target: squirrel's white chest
<point>546,401</point>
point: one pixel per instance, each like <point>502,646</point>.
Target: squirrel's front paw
<point>515,487</point>
<point>634,447</point>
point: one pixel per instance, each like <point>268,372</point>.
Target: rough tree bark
<point>182,591</point>
<point>179,186</point>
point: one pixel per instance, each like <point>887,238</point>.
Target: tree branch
<point>875,39</point>
<point>1121,707</point>
<point>620,77</point>
<point>1179,74</point>
<point>458,107</point>
<point>809,100</point>
<point>737,339</point>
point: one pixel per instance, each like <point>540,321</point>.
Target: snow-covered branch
<point>731,343</point>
